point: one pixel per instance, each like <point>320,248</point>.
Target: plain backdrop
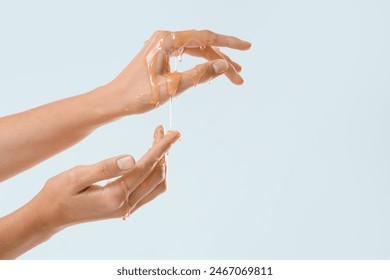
<point>294,164</point>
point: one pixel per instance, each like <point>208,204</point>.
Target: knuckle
<point>209,35</point>
<point>51,183</point>
<point>72,175</point>
<point>144,169</point>
<point>160,33</point>
<point>206,32</point>
<point>66,178</point>
<point>200,69</point>
<point>115,198</point>
<point>51,186</point>
<point>105,169</point>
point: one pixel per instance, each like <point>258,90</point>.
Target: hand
<point>148,82</point>
<point>72,197</point>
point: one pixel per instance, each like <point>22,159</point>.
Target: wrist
<point>23,230</point>
<point>100,106</point>
<point>43,219</point>
<point>108,104</point>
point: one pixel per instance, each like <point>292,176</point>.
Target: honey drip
<point>159,56</point>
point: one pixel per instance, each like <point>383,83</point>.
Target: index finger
<point>148,162</point>
<point>202,38</point>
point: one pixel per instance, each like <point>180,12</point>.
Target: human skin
<point>72,197</point>
<point>30,137</point>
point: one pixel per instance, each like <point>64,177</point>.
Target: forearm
<point>21,231</point>
<point>30,137</point>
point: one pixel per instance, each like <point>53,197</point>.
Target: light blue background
<point>294,164</point>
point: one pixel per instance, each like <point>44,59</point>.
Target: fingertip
<point>174,135</point>
<point>162,131</point>
<point>220,66</point>
<point>239,81</point>
<point>236,79</point>
<point>238,68</point>
<point>158,130</point>
<point>246,45</point>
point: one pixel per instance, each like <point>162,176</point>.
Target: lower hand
<point>73,196</point>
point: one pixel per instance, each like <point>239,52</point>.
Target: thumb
<point>87,175</point>
<point>202,73</point>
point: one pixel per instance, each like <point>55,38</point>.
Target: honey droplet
<point>180,54</point>
<point>173,81</point>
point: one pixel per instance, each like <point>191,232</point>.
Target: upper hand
<point>148,82</point>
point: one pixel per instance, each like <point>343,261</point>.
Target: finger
<point>212,53</point>
<point>111,197</point>
<point>125,210</point>
<point>147,186</point>
<point>161,188</point>
<point>161,64</point>
<point>114,198</point>
<point>86,175</point>
<point>236,66</point>
<point>158,134</point>
<point>147,163</point>
<point>195,38</point>
<point>201,73</point>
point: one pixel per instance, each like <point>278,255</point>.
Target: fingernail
<point>125,163</point>
<point>220,66</point>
